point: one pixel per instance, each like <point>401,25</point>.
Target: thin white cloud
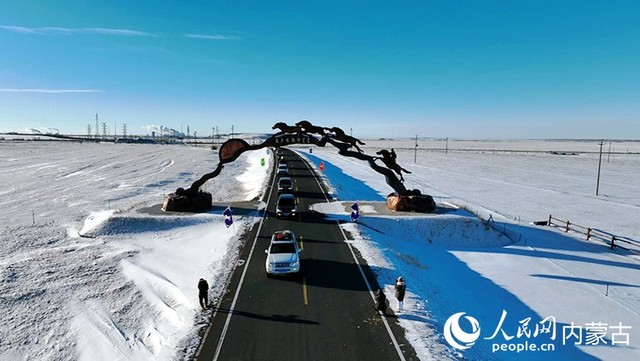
<point>122,32</point>
<point>71,31</point>
<point>212,37</point>
<point>49,30</point>
<point>47,91</point>
<point>18,29</point>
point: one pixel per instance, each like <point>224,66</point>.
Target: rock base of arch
<point>411,203</point>
<point>186,202</point>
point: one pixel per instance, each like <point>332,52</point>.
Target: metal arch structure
<point>303,132</point>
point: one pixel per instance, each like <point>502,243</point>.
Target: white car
<point>282,254</point>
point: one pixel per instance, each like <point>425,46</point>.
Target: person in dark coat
<point>381,301</point>
<point>401,288</point>
<point>203,291</point>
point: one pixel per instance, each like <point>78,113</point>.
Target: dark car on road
<point>283,170</point>
<point>285,185</point>
<point>286,206</point>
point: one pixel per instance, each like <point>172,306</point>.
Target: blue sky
<point>468,69</point>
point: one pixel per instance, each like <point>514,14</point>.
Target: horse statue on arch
<point>341,136</point>
<point>306,126</point>
<point>285,128</point>
<point>389,159</point>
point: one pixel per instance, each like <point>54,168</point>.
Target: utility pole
<point>97,129</point>
<point>609,154</point>
<point>232,131</point>
<point>446,145</point>
<point>415,150</point>
<point>350,132</point>
<point>599,164</point>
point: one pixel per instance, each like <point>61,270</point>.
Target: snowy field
<point>455,262</point>
<point>126,290</point>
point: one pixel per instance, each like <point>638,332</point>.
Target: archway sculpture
<point>193,199</point>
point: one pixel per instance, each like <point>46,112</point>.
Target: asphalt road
<point>325,313</point>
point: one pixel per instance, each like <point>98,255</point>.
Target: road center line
<point>304,291</point>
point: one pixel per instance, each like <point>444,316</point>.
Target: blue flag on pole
<point>228,217</point>
<point>355,214</point>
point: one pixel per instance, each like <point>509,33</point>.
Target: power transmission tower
<point>104,130</point>
<point>88,130</point>
<point>124,130</point>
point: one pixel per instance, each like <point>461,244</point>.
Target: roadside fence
<point>610,239</point>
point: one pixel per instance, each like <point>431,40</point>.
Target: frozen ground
<point>455,262</point>
<point>127,290</point>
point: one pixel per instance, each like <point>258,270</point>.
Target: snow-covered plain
<point>126,290</point>
<point>455,262</point>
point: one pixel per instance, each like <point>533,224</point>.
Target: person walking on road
<point>203,293</point>
<point>401,288</point>
<point>381,302</point>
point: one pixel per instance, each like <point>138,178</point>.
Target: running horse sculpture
<point>193,199</point>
